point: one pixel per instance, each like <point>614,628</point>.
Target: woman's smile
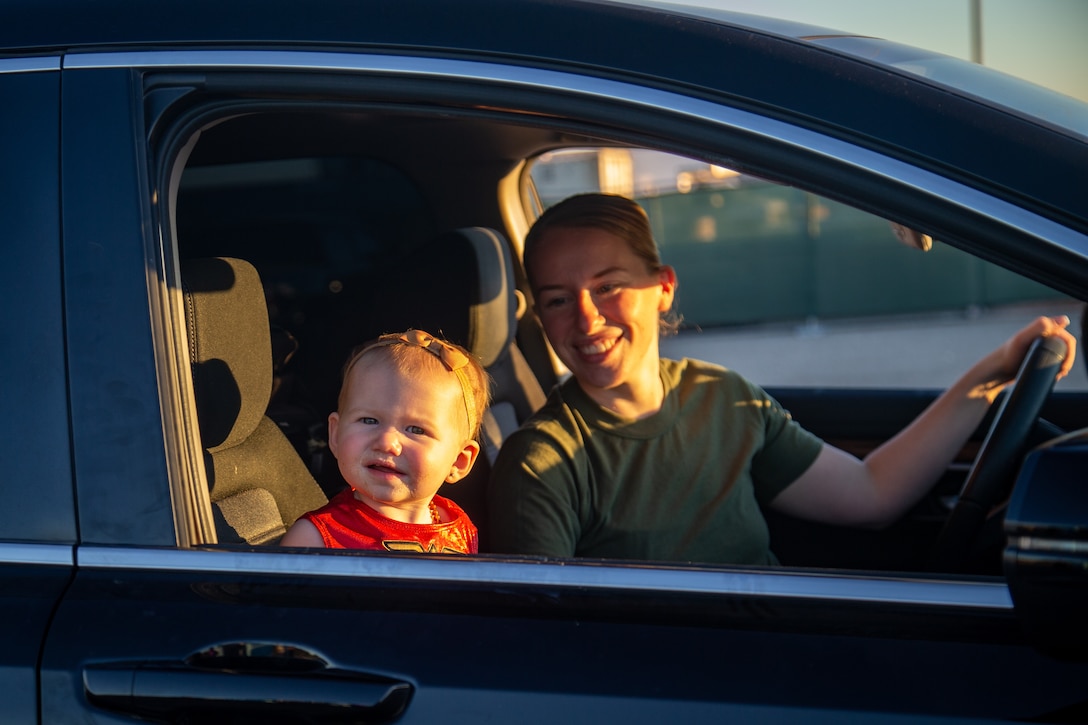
<point>598,347</point>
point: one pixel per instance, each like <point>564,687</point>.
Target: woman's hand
<point>1012,353</point>
<point>993,373</point>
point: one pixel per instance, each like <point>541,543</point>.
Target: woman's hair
<point>612,213</point>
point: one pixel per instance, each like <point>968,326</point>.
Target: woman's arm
<point>840,489</point>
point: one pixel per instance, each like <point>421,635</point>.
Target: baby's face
<point>399,436</point>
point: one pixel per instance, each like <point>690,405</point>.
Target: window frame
<point>600,104</point>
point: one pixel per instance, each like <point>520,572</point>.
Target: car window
<point>794,289</point>
<point>332,205</point>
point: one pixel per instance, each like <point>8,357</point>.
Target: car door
<point>159,624</point>
<point>37,519</point>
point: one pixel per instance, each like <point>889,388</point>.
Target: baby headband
<point>453,359</point>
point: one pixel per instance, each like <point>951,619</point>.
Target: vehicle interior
<point>359,219</point>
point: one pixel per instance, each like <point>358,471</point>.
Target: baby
<point>407,421</point>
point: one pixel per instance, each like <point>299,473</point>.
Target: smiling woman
<point>576,479</point>
<point>603,314</point>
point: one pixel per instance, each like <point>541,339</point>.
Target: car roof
<point>480,24</point>
<point>811,77</point>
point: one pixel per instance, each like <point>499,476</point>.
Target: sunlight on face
<point>399,435</point>
<point>600,307</point>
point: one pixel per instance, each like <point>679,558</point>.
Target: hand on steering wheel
<point>994,470</point>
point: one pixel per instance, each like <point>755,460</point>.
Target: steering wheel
<point>994,470</point>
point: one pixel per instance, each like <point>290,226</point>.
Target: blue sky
<point>1043,41</point>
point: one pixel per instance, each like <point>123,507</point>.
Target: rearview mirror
<point>912,237</point>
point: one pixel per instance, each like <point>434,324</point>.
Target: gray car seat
<point>258,484</point>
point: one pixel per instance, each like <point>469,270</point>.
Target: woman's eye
<point>415,430</point>
<point>607,288</point>
<point>554,302</point>
<point>367,420</point>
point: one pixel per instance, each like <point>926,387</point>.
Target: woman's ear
<point>667,279</point>
<point>464,461</point>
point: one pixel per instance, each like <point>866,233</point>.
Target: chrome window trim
<point>29,65</point>
<point>37,554</point>
<point>934,185</point>
<point>986,595</point>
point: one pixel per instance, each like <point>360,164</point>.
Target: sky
<point>1042,41</point>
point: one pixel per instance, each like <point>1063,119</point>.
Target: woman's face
<point>600,307</point>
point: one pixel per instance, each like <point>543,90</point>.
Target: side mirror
<point>1046,555</point>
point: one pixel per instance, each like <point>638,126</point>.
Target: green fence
<point>762,253</point>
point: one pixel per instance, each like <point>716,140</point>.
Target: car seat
<point>258,484</point>
<point>460,285</point>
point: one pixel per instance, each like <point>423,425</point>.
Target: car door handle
<point>167,690</point>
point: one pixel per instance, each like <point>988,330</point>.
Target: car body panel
<point>35,578</point>
<point>371,615</point>
<point>133,594</point>
<point>36,451</point>
<point>37,495</point>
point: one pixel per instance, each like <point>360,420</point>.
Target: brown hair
<point>612,213</point>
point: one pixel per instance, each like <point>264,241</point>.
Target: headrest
<point>229,347</point>
<point>460,286</point>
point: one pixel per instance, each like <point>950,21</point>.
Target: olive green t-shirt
<point>681,485</point>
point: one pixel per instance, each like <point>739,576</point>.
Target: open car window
<point>336,203</point>
<point>793,289</point>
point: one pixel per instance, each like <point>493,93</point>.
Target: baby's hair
<point>412,349</point>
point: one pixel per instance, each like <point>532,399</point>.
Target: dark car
<point>206,205</point>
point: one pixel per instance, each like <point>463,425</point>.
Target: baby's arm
<point>302,533</point>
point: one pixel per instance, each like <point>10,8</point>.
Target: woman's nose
<point>588,314</point>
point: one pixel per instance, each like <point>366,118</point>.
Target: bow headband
<point>451,357</point>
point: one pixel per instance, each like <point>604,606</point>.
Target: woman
<point>641,457</point>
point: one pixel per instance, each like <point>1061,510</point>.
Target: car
<point>206,205</point>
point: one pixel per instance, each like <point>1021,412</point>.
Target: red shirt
<point>345,522</point>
